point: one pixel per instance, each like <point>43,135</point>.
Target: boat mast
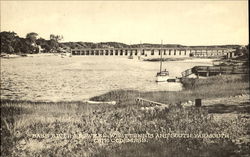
<point>161,57</point>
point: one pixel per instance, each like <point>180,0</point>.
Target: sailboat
<point>163,75</point>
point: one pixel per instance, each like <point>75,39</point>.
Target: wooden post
<point>198,103</point>
<point>207,71</point>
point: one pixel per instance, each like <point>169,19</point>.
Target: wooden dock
<point>145,102</point>
<point>214,70</point>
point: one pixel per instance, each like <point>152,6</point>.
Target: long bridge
<point>154,52</point>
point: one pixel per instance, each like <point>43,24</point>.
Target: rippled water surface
<point>52,78</point>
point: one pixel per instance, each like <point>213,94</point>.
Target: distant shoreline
<point>166,59</point>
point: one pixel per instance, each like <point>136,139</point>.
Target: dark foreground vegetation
<point>69,128</point>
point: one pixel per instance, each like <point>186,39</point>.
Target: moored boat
<point>162,76</point>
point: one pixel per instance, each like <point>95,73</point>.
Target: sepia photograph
<point>124,78</point>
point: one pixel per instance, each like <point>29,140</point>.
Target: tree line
<point>11,43</point>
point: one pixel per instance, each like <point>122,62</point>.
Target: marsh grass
<point>23,120</point>
<point>174,148</point>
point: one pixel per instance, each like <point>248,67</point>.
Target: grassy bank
<point>212,87</point>
<point>22,120</point>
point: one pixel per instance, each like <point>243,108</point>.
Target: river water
<point>52,78</point>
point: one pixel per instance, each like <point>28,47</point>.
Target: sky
<point>131,22</point>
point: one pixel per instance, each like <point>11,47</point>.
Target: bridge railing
<point>220,69</point>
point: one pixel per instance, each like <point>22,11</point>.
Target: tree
<point>31,42</point>
<point>8,40</point>
<point>56,37</point>
<point>44,44</point>
<point>246,51</point>
<point>54,41</point>
<point>32,37</point>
